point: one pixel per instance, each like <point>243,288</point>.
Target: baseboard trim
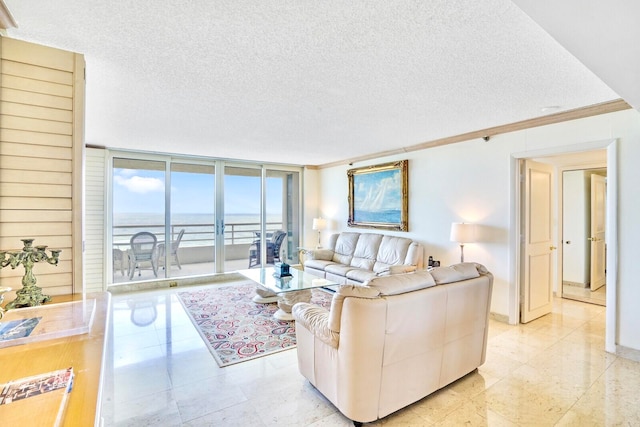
<point>628,353</point>
<point>499,317</point>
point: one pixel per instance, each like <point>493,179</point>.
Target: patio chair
<point>143,250</point>
<point>273,249</point>
<point>173,254</point>
<point>118,261</point>
<point>277,239</point>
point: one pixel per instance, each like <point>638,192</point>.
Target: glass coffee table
<point>286,290</point>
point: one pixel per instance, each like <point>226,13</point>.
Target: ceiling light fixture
<point>550,108</point>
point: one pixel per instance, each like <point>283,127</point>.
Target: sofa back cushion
<point>401,283</point>
<point>393,251</point>
<point>456,272</point>
<point>345,246</point>
<point>366,251</point>
<point>376,288</point>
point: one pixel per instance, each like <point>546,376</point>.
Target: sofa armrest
<point>396,269</point>
<point>319,254</point>
<point>316,320</point>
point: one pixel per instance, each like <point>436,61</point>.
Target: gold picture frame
<point>379,196</point>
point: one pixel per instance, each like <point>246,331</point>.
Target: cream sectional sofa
<point>395,339</point>
<point>354,258</point>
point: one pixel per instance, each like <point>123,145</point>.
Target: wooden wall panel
<point>35,203</point>
<point>20,69</point>
<point>12,175</point>
<point>29,229</point>
<point>28,164</point>
<point>35,138</point>
<point>35,190</point>
<point>37,86</point>
<point>39,99</point>
<point>13,242</point>
<point>31,216</point>
<point>41,149</point>
<point>36,112</point>
<point>37,55</point>
<point>36,125</point>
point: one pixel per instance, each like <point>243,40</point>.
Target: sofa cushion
<point>335,278</point>
<point>393,251</point>
<point>401,283</point>
<point>364,255</point>
<point>345,245</point>
<point>455,272</point>
<point>318,264</point>
<point>339,269</point>
<point>360,275</point>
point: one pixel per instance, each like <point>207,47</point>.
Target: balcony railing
<point>196,234</point>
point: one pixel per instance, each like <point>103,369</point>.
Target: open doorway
<point>610,148</point>
<point>541,254</point>
<point>583,264</point>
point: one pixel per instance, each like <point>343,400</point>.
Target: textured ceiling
<point>305,82</point>
<point>602,35</point>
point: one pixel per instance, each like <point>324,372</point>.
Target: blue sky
<point>142,191</point>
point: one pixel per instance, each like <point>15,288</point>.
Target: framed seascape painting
<point>378,196</point>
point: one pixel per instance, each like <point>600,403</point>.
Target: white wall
<point>310,208</point>
<point>471,181</point>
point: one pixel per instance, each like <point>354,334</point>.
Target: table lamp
<point>319,224</point>
<point>463,233</point>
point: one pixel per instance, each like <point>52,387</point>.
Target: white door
<point>536,297</point>
<point>598,223</point>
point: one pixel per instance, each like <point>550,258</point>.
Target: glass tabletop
<point>298,281</point>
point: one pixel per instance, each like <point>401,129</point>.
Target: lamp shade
<point>319,223</point>
<point>463,232</point>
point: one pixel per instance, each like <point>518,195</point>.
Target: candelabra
<point>2,291</point>
<point>30,294</point>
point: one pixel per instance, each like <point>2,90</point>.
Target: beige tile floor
<point>552,371</point>
<point>599,296</point>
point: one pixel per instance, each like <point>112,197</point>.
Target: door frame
<point>611,145</point>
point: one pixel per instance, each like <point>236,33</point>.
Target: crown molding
<point>6,19</point>
<point>578,113</point>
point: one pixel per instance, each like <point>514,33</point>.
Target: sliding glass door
<point>197,222</point>
<point>242,216</point>
<point>282,209</point>
<point>193,218</point>
<point>138,189</point>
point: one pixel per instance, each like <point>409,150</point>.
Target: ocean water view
<point>199,227</point>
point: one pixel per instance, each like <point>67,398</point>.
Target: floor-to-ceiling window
<point>242,216</point>
<point>138,219</point>
<point>282,201</point>
<point>193,222</point>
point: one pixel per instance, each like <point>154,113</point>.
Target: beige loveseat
<point>354,258</point>
<point>396,339</point>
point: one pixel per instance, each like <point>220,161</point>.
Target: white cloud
<point>140,184</point>
<point>127,172</point>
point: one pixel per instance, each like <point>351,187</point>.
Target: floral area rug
<point>237,329</point>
